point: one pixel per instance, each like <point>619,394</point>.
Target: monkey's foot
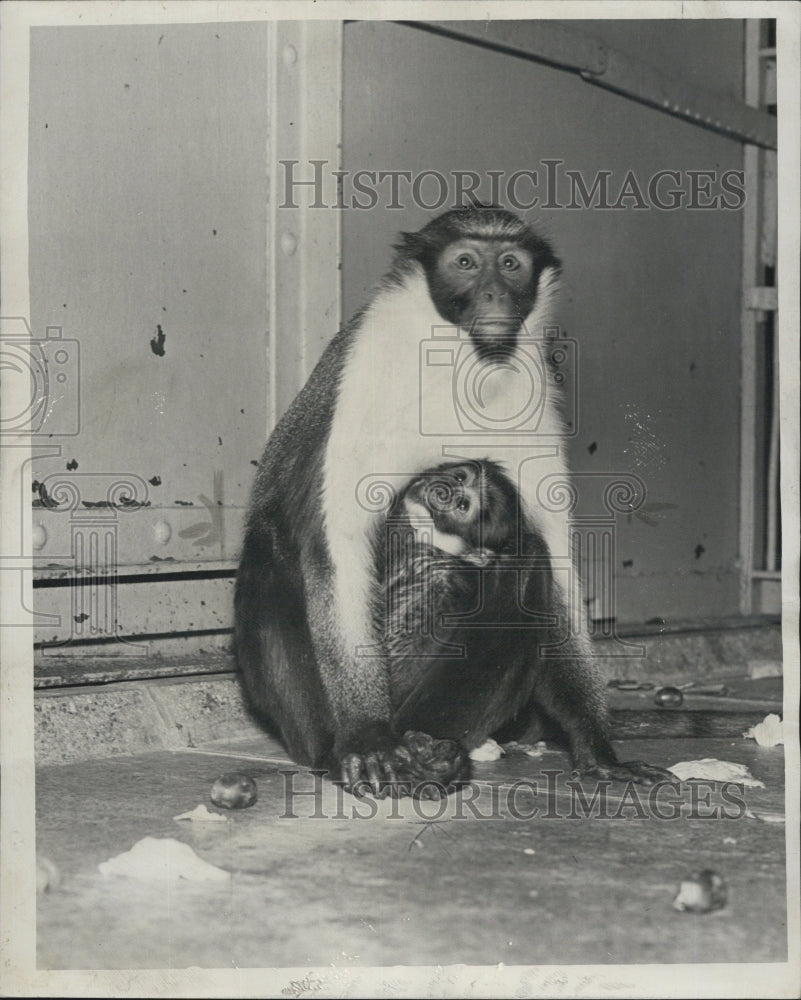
<point>419,765</point>
<point>630,770</point>
<point>431,767</point>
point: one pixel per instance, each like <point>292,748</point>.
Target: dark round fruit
<point>669,697</point>
<point>234,791</point>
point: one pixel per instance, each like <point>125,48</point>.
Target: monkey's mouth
<point>494,335</point>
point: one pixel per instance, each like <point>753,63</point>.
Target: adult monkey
<point>307,604</point>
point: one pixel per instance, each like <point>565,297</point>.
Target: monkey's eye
<point>463,505</point>
<point>460,475</point>
<point>509,262</point>
<point>465,261</point>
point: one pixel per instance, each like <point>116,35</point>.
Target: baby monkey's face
<point>452,499</point>
<point>452,496</point>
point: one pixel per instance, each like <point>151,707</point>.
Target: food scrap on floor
<point>156,859</point>
<point>768,733</point>
<point>489,750</point>
<point>711,769</point>
<point>701,893</point>
<point>201,814</point>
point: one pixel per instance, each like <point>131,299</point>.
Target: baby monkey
<point>446,539</point>
<point>469,593</point>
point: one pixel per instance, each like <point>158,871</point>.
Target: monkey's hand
<point>630,770</point>
<point>418,765</point>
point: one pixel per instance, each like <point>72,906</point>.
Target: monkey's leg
<point>469,699</point>
<point>569,689</point>
<point>349,617</point>
<point>570,693</point>
<point>463,679</point>
<point>369,752</point>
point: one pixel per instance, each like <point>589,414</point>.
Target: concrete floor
<point>395,888</point>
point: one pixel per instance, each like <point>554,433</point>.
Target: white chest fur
<point>405,405</point>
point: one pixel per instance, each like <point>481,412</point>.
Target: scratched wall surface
<point>652,296</point>
<point>148,230</point>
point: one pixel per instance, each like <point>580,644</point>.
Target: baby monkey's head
<point>472,507</point>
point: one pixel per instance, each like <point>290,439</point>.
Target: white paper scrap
<point>711,769</point>
<point>153,859</point>
<point>202,814</point>
<point>489,750</point>
<point>768,733</point>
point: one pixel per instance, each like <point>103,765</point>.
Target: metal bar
<point>70,571</point>
<point>305,131</point>
<point>763,297</point>
<point>772,485</point>
<point>748,327</point>
<point>321,136</point>
<point>637,80</point>
<point>551,43</point>
<point>152,607</point>
<point>611,69</point>
<point>767,594</point>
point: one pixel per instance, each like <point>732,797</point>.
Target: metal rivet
<point>162,532</point>
<point>290,54</point>
<point>289,243</point>
<point>39,536</point>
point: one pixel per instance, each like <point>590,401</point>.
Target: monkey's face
<point>484,268</point>
<point>451,499</point>
<point>470,507</point>
<point>487,287</point>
